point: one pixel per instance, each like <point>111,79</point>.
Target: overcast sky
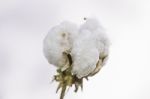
<point>26,74</point>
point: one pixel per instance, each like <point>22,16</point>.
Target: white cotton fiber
<point>58,40</point>
<point>87,45</point>
<point>84,53</point>
<point>91,44</point>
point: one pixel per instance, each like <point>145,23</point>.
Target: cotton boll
<point>58,40</point>
<point>78,53</point>
<point>84,53</point>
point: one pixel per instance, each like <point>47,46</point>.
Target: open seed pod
<point>78,53</point>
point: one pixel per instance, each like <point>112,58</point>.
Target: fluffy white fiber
<point>87,45</point>
<point>58,40</point>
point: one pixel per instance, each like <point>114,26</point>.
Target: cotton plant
<point>78,52</point>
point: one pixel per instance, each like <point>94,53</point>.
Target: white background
<point>26,74</point>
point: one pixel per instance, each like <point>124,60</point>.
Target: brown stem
<point>63,92</point>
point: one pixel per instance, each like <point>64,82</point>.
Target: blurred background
<point>26,74</point>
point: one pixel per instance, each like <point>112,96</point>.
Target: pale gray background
<point>25,73</point>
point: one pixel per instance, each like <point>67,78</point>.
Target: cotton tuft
<point>58,40</point>
<point>88,46</point>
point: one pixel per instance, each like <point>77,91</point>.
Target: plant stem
<point>63,92</point>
